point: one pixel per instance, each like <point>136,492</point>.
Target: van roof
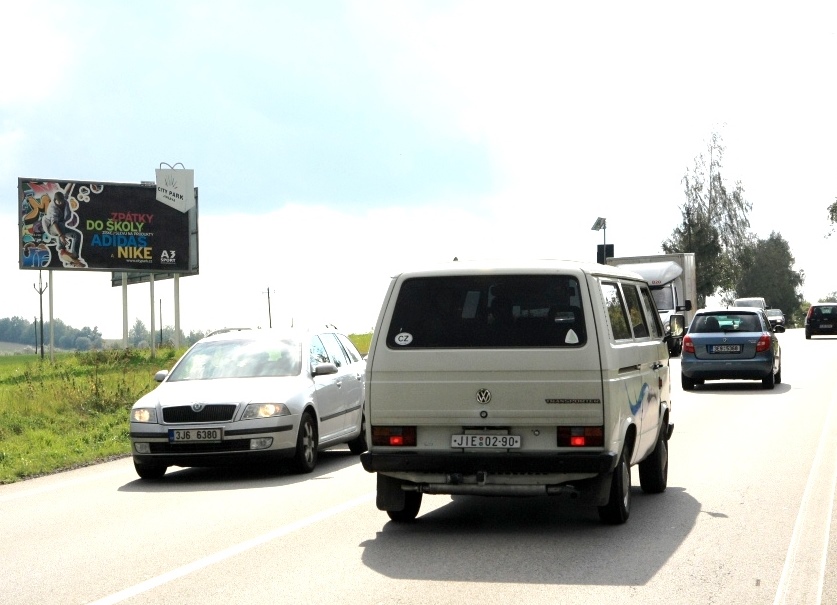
<point>519,267</point>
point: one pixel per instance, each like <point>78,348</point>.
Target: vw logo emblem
<point>197,407</point>
<point>483,396</point>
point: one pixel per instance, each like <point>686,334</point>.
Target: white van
<point>753,301</point>
<point>538,379</point>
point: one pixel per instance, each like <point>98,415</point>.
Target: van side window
<point>654,324</point>
<point>635,311</point>
<point>616,311</point>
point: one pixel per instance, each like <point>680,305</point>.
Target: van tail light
<point>394,436</point>
<point>580,436</point>
<point>763,344</point>
<point>688,345</point>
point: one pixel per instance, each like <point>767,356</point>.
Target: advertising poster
<point>79,225</point>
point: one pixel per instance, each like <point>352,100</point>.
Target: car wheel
<point>653,471</point>
<point>412,504</point>
<point>150,471</point>
<point>778,377</point>
<point>807,335</point>
<point>687,383</point>
<point>769,381</point>
<point>618,508</point>
<point>358,444</point>
<point>305,458</point>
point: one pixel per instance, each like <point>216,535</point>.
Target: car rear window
<point>825,311</point>
<point>488,311</point>
<point>726,322</point>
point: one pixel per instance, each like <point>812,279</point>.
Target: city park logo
<point>176,188</point>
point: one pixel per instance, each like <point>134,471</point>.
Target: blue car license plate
<point>725,348</point>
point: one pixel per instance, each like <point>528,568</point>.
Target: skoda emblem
<point>197,407</point>
<point>483,396</point>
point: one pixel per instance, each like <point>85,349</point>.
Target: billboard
<point>82,225</point>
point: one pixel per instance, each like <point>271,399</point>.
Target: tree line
<point>18,330</point>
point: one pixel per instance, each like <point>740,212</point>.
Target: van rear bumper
<point>470,463</point>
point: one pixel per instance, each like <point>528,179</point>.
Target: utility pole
<point>40,289</point>
<point>161,323</point>
<point>269,316</point>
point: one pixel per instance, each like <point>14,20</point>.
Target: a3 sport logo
<point>168,257</point>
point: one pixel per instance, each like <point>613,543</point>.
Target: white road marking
<point>230,552</point>
<point>803,575</point>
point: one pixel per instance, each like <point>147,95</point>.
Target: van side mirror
<point>688,305</point>
<point>677,325</point>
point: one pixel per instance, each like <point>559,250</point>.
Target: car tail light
<point>580,436</point>
<point>397,436</point>
<point>688,345</point>
<point>809,313</point>
<point>763,344</point>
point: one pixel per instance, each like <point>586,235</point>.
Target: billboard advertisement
<point>82,225</point>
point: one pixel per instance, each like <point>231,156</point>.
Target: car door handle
<point>657,365</point>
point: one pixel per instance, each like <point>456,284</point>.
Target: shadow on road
<point>196,479</point>
<point>535,541</point>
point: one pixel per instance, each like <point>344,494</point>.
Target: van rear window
<point>488,311</point>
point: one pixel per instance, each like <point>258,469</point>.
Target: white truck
<point>673,284</point>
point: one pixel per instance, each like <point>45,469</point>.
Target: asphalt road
<point>746,520</point>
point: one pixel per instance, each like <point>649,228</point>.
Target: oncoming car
<point>729,344</point>
<point>252,396</point>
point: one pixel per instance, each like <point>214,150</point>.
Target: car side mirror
<point>677,325</point>
<point>161,375</point>
<point>778,329</point>
<point>321,369</point>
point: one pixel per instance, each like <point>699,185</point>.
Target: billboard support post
<point>153,327</point>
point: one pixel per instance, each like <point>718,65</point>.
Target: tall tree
<point>767,270</point>
<point>715,222</point>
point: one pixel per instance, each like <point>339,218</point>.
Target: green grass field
<point>74,411</point>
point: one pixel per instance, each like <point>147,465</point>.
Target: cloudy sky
<point>336,143</point>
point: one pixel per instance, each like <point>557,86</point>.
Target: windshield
<point>239,359</point>
<point>664,298</point>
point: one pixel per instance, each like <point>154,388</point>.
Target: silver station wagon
<point>252,396</point>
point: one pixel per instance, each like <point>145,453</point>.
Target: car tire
<point>305,457</point>
<point>807,335</point>
<point>618,508</point>
<point>653,471</point>
<point>358,444</point>
<point>687,383</point>
<point>412,504</point>
<point>769,381</point>
<point>778,378</point>
<point>150,471</point>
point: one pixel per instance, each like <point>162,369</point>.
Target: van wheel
<point>412,504</point>
<point>305,458</point>
<point>769,381</point>
<point>618,508</point>
<point>653,471</point>
<point>687,383</point>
